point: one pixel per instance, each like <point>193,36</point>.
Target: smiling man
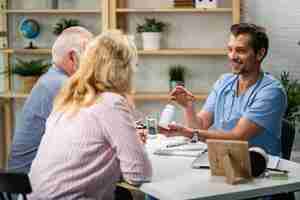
<point>246,104</point>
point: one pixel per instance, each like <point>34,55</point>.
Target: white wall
<point>191,30</point>
<point>280,19</point>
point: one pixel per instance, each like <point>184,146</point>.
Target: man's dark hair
<point>258,36</point>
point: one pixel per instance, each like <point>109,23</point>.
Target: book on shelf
<point>183,3</point>
<point>183,6</point>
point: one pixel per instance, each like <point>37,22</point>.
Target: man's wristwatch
<point>195,137</point>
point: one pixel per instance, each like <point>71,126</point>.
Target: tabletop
<point>173,178</point>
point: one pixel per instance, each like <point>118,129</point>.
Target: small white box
<point>206,3</point>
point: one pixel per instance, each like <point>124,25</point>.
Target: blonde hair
<point>106,65</point>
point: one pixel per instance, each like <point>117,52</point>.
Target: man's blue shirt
<point>264,103</point>
<point>36,110</point>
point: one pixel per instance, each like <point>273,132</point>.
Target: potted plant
<point>151,33</point>
<point>176,74</point>
<point>28,72</point>
<point>292,88</point>
<point>63,23</point>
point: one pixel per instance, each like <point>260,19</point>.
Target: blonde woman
<point>90,139</point>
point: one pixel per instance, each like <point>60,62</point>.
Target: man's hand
<point>182,96</point>
<point>176,130</point>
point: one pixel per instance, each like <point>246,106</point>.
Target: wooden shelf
<point>174,10</point>
<point>185,52</point>
<point>162,52</point>
<point>13,95</point>
<point>138,96</point>
<point>50,11</point>
<point>26,51</point>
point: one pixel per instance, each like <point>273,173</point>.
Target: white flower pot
<point>151,40</point>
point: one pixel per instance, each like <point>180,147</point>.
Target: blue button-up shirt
<point>28,133</point>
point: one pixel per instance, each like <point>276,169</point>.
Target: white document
<point>273,162</point>
<point>201,161</point>
<point>181,148</point>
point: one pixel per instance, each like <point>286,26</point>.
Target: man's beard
<point>236,66</point>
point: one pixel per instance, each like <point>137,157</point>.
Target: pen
<point>176,144</point>
<point>278,170</point>
<point>203,167</point>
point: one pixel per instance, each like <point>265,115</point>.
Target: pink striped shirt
<point>82,157</point>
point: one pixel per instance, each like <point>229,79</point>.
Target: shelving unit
<point>114,15</point>
<point>50,11</point>
<point>184,52</point>
<point>38,51</point>
<point>8,96</point>
<point>119,7</point>
<point>173,10</point>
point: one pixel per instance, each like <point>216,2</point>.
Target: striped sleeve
<point>134,162</point>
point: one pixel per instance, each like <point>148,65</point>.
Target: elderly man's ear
<point>74,59</point>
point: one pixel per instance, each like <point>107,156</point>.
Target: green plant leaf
<point>177,72</point>
<point>30,68</point>
<point>64,23</point>
<point>150,25</point>
<point>292,88</point>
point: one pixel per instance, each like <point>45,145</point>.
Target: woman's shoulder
<point>112,100</point>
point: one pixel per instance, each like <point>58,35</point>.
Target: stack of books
<point>183,3</point>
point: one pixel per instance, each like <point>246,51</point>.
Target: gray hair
<point>71,39</point>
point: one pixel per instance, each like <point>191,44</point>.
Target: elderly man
<point>65,56</point>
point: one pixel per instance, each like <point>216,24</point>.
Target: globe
<point>29,28</point>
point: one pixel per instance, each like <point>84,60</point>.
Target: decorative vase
<point>151,40</point>
<point>26,83</point>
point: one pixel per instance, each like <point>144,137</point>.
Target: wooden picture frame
<point>230,159</point>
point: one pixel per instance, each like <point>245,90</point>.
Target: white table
<point>174,179</point>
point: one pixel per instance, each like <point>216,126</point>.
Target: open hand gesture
<point>182,96</point>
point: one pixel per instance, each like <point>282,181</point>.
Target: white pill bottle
<point>167,115</point>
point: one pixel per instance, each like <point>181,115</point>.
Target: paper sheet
<point>273,162</point>
<point>181,148</point>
